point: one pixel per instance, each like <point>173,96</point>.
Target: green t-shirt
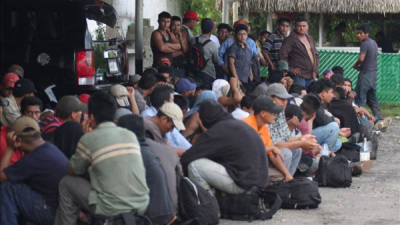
<point>117,175</point>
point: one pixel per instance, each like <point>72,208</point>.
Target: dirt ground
<point>373,198</point>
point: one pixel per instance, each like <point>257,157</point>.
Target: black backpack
<point>299,193</point>
<point>121,219</point>
<point>351,151</point>
<point>197,61</point>
<point>248,206</point>
<point>196,205</point>
<point>334,172</point>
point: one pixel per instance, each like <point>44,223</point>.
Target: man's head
<point>24,88</point>
<point>70,108</point>
<point>293,115</point>
<point>327,74</point>
<point>241,33</point>
<point>207,25</point>
<point>165,71</point>
<point>183,103</point>
<point>298,90</point>
<point>324,89</point>
<point>102,108</point>
<point>340,93</point>
<point>164,20</point>
<point>148,81</point>
<point>32,107</point>
<point>337,80</point>
<point>338,70</point>
<point>301,26</point>
<point>135,124</point>
<point>246,104</point>
<point>120,93</point>
<point>348,84</point>
<point>27,132</point>
<point>310,105</point>
<point>17,69</point>
<point>161,95</point>
<point>263,36</point>
<point>266,109</point>
<point>284,25</point>
<point>176,23</point>
<point>185,87</point>
<point>223,31</point>
<point>169,116</point>
<point>363,31</point>
<point>8,84</point>
<point>279,94</point>
<point>190,19</point>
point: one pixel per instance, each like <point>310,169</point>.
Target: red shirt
<point>18,154</point>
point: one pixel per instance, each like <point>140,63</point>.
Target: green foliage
<point>258,21</point>
<point>99,61</point>
<point>205,9</point>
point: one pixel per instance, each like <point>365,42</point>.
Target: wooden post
<point>321,30</point>
<point>235,11</point>
<point>269,22</point>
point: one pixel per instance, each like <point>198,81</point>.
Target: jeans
<point>328,134</point>
<point>18,200</point>
<point>302,81</point>
<point>73,196</point>
<point>209,174</point>
<point>366,94</point>
<point>292,159</point>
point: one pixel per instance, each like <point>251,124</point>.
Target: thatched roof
<point>324,6</point>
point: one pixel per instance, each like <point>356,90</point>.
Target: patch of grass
<point>389,109</point>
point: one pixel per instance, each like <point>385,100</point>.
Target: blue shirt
<point>41,170</point>
<point>175,138</point>
<point>223,59</point>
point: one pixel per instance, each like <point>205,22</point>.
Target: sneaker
<point>355,169</point>
<point>383,125</point>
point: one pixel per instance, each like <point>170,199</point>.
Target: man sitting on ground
<point>29,188</point>
<point>111,156</point>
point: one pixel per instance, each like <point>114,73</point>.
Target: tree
<point>205,9</point>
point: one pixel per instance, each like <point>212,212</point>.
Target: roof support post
<point>321,30</point>
<point>269,22</point>
<point>235,11</point>
<point>225,11</point>
<point>139,36</point>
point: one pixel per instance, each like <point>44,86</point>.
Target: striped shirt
<point>112,157</point>
<point>273,46</point>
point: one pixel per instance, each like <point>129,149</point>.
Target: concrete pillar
<point>321,30</point>
<point>235,11</point>
<point>139,36</point>
<point>270,26</point>
<point>225,11</point>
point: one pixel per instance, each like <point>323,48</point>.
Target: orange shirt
<point>263,131</point>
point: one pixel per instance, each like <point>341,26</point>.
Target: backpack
<point>121,219</point>
<point>247,206</point>
<point>334,172</point>
<point>196,205</point>
<point>161,207</point>
<point>299,193</point>
<point>350,151</point>
<point>197,61</point>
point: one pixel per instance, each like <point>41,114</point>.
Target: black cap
<point>23,87</point>
<point>265,103</point>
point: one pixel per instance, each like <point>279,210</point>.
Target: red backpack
<point>197,61</point>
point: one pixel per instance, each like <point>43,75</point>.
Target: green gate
<point>388,87</point>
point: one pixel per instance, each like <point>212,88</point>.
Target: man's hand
<point>308,142</point>
<point>357,67</point>
<point>345,132</point>
<point>131,91</point>
<point>314,75</point>
<point>278,153</point>
<point>288,177</point>
<point>86,127</point>
<point>12,141</point>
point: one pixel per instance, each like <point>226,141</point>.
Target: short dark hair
<point>296,89</point>
<point>148,79</point>
<point>247,101</point>
<point>181,101</point>
<point>301,19</point>
<point>338,70</point>
<point>337,79</point>
<point>186,20</point>
<point>340,93</point>
<point>159,95</point>
<point>264,32</point>
<point>28,101</point>
<point>283,19</point>
<point>311,104</point>
<point>164,69</point>
<point>240,27</point>
<point>176,18</point>
<point>224,26</point>
<point>293,110</point>
<point>348,80</point>
<point>133,123</point>
<point>163,15</point>
<point>364,27</point>
<point>320,86</point>
<point>102,106</point>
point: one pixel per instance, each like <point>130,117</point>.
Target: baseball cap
<point>9,80</point>
<point>84,98</point>
<point>190,14</point>
<point>184,85</point>
<point>243,22</point>
<point>265,103</point>
<point>25,126</point>
<point>22,87</point>
<point>120,94</point>
<point>207,25</point>
<point>173,111</point>
<point>283,65</point>
<point>278,90</point>
<point>69,104</point>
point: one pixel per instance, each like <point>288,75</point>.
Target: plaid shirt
<point>273,46</point>
<point>279,130</point>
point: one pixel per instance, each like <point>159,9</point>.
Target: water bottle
<point>365,151</point>
<point>325,149</point>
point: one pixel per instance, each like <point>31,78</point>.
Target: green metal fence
<point>388,86</point>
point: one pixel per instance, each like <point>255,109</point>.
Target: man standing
<point>299,51</point>
<point>272,46</point>
<point>190,20</point>
<point>367,64</point>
